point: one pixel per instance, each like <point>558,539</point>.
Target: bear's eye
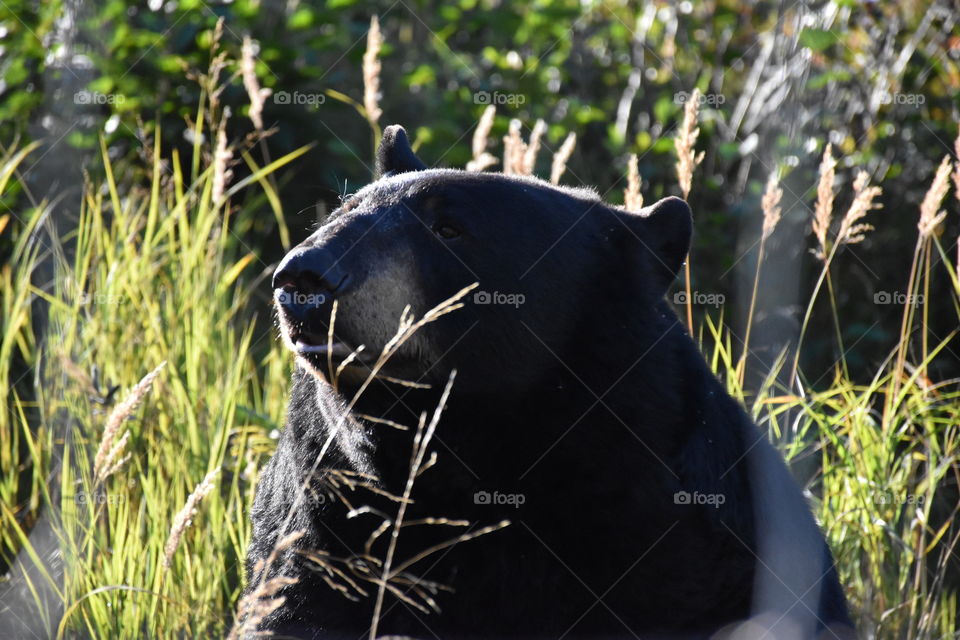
<point>446,231</point>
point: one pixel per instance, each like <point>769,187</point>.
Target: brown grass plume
<point>632,197</point>
<point>371,73</point>
<point>687,157</point>
<point>108,460</point>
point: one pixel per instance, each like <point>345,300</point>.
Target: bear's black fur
<point>642,501</point>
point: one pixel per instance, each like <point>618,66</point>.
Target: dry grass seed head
<point>185,516</point>
<point>770,203</point>
<point>852,230</point>
<point>371,72</point>
<point>218,62</point>
<point>256,94</point>
<point>222,156</point>
<point>930,214</point>
<point>561,157</point>
<point>530,153</point>
<point>262,600</point>
<point>956,173</point>
<point>687,157</point>
<point>513,149</point>
<point>823,211</point>
<point>632,197</point>
<point>481,158</point>
<point>106,460</point>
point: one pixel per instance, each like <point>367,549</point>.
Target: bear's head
<point>554,269</point>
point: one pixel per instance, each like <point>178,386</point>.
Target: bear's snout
<point>312,270</point>
<point>308,280</point>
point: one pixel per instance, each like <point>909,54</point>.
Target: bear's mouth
<point>305,343</point>
<point>330,356</point>
<point>314,344</point>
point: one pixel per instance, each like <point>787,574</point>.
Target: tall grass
<point>149,274</point>
<point>151,299</point>
<point>885,450</point>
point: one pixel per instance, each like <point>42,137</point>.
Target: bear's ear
<point>395,155</point>
<point>664,230</point>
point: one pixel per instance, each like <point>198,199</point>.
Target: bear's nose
<point>312,270</point>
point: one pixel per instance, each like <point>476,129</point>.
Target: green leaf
<point>823,79</point>
<point>663,145</point>
<point>729,150</point>
<point>643,141</point>
<point>664,108</point>
<point>301,19</point>
<point>817,39</point>
<point>422,75</point>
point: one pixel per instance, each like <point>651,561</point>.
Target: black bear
<point>641,499</point>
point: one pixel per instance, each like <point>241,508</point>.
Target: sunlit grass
<point>876,486</point>
<point>155,275</point>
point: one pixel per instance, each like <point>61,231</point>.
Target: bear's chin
<point>324,369</point>
<point>352,372</point>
